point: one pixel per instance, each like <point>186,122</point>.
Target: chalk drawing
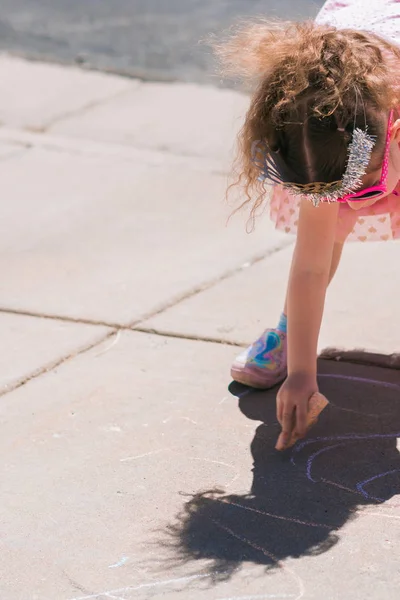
<point>112,428</point>
<point>360,486</point>
<point>120,563</point>
<point>259,597</point>
<point>223,400</point>
<point>272,515</point>
<point>355,412</point>
<point>379,514</point>
<point>313,456</point>
<point>350,437</point>
<point>154,584</point>
<point>113,343</point>
<point>386,384</point>
<point>216,462</point>
<point>266,553</point>
<point>342,487</point>
<point>232,481</point>
<point>343,441</point>
<point>143,455</point>
<point>174,418</point>
<point>245,393</point>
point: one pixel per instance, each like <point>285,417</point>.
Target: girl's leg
<point>264,363</point>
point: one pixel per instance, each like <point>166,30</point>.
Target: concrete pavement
<point>123,300</point>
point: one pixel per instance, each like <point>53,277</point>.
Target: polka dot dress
<point>380,222</point>
<point>377,16</point>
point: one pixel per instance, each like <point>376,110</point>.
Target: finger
<point>301,420</point>
<point>281,444</point>
<point>279,410</point>
<point>287,425</point>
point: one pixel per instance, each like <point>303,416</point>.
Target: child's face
<point>393,174</point>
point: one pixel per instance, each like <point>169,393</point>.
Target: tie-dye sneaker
<point>263,364</point>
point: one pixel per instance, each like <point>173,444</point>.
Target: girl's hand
<point>292,406</point>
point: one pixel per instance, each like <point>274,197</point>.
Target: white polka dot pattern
<point>377,16</point>
<point>377,223</point>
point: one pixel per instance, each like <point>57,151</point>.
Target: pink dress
<point>381,221</point>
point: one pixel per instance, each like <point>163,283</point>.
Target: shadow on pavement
<point>300,500</point>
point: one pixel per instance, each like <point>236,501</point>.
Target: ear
<point>395,132</point>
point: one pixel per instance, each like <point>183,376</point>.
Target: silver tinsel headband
<point>359,156</point>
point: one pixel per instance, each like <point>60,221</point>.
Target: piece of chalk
<point>316,405</point>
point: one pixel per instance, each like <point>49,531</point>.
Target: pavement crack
<point>202,287</point>
<point>188,336</point>
<point>81,110</point>
<point>117,328</point>
<point>65,318</point>
<point>78,146</point>
<point>20,150</point>
<point>54,364</point>
<point>139,325</point>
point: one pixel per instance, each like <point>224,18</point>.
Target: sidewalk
<point>123,299</point>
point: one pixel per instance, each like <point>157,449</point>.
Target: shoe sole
<point>256,380</point>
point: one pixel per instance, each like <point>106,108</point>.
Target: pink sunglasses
<point>379,190</point>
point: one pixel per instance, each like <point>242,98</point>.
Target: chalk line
<point>360,486</point>
<point>273,516</point>
<point>113,343</point>
<point>386,384</point>
<point>266,553</point>
<point>244,393</point>
<point>342,487</point>
<point>259,597</point>
<point>143,455</point>
<point>379,514</point>
<point>351,437</point>
<point>174,418</point>
<point>313,456</point>
<point>120,563</point>
<point>232,481</point>
<point>149,585</point>
<point>209,460</point>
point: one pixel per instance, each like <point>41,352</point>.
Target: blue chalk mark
<point>120,563</point>
<point>348,438</point>
<point>351,437</point>
<point>313,456</point>
<point>386,384</point>
<point>360,486</point>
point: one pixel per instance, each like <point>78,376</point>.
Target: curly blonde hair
<point>309,80</point>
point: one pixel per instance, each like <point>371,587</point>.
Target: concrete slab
<point>21,139</point>
<point>181,118</point>
<point>235,310</point>
<point>30,344</point>
<point>34,94</point>
<point>9,150</point>
<point>361,309</point>
<point>111,240</point>
<point>105,461</point>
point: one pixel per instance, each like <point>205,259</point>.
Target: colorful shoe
<point>263,364</point>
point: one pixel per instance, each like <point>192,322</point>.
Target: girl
<point>323,128</point>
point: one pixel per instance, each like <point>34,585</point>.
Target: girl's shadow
<point>300,500</point>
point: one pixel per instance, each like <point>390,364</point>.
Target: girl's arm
<point>308,281</point>
<point>309,278</point>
